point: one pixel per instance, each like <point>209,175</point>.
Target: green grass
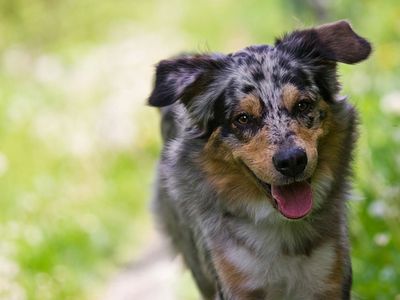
<point>74,203</point>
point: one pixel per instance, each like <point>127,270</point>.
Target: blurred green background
<point>78,146</point>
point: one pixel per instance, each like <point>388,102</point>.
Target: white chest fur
<point>283,276</point>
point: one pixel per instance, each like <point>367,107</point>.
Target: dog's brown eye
<point>303,106</point>
<point>243,119</point>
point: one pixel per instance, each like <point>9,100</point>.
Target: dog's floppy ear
<point>196,80</point>
<point>184,77</point>
<point>335,42</point>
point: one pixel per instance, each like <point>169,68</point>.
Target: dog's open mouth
<point>294,200</point>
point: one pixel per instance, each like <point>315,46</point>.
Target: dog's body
<point>253,176</point>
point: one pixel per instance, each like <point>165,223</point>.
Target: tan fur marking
<point>235,279</point>
<point>330,144</point>
<point>229,273</point>
<point>336,275</point>
<point>335,279</point>
<point>251,105</point>
<point>290,95</point>
<point>257,155</point>
<point>225,172</point>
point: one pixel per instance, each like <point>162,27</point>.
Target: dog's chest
<point>260,257</point>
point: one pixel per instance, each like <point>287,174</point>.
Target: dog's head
<point>271,115</point>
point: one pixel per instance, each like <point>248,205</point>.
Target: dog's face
<point>270,115</point>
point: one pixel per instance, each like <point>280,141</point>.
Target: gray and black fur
<point>213,193</point>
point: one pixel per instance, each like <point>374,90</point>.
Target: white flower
<point>390,103</point>
<point>377,209</point>
<point>3,164</point>
<point>381,239</point>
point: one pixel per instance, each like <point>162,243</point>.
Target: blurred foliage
<point>75,187</point>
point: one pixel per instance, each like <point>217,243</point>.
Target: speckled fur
<point>208,196</point>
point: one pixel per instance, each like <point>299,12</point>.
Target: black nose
<point>290,162</point>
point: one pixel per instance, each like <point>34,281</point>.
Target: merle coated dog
<point>253,177</point>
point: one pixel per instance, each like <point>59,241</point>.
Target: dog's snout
<point>290,162</point>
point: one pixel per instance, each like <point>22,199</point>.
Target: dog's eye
<point>303,106</point>
<point>243,119</point>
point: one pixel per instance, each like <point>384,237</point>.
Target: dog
<point>254,173</point>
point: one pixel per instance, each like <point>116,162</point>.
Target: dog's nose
<point>290,162</point>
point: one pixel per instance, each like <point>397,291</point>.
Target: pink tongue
<point>294,200</point>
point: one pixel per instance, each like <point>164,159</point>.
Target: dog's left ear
<point>335,42</point>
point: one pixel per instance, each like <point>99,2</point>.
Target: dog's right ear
<point>184,77</point>
<point>334,42</point>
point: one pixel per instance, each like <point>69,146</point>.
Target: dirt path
<point>153,276</point>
